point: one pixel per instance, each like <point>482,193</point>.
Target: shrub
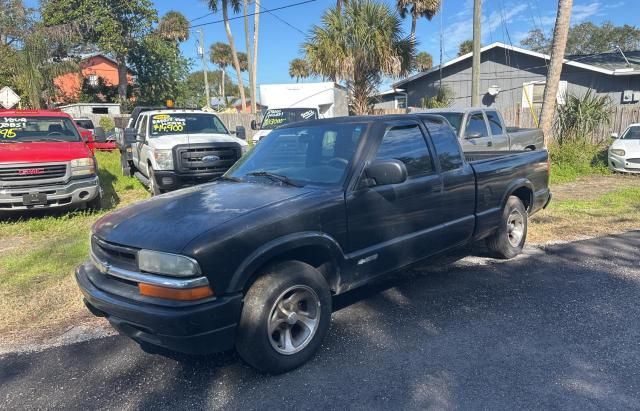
<point>443,99</point>
<point>581,116</point>
<point>571,160</point>
<point>107,123</point>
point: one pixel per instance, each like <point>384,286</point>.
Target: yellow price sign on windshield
<point>7,132</point>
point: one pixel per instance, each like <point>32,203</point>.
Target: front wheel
<point>153,184</point>
<point>508,240</point>
<point>286,315</point>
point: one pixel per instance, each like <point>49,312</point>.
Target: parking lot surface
<point>558,327</point>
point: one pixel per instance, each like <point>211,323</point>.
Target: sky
<point>282,32</point>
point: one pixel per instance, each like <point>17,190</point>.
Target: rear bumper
<point>74,192</point>
<point>171,180</point>
<point>193,329</point>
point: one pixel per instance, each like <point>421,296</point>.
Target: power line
<point>252,14</point>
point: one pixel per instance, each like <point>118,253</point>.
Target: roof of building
<point>605,63</point>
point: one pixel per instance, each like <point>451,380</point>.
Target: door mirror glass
<point>130,135</point>
<point>99,134</point>
<point>614,135</point>
<point>385,172</point>
<point>254,125</point>
<point>241,133</point>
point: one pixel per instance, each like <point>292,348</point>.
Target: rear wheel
<point>508,240</point>
<point>286,315</point>
<point>95,204</point>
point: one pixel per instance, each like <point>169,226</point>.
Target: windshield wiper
<point>44,139</point>
<point>10,141</point>
<point>275,177</point>
<point>227,178</point>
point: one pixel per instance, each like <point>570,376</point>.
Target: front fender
<point>271,250</point>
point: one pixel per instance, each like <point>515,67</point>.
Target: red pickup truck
<point>45,162</point>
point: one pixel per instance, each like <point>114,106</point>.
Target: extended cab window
<point>407,144</point>
<point>476,127</point>
<point>494,123</point>
<point>446,144</point>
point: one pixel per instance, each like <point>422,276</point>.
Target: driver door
<point>476,136</point>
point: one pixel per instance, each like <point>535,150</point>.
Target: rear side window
<point>494,123</point>
<point>476,127</point>
<point>406,143</point>
<point>446,144</point>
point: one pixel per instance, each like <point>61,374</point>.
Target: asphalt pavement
<point>555,328</point>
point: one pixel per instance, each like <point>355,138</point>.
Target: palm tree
<point>418,8</point>
<point>174,26</point>
<point>339,4</point>
<point>224,5</point>
<point>375,47</point>
<point>465,47</point>
<point>220,54</point>
<point>424,61</point>
<point>298,69</point>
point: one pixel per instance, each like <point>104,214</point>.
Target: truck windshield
<point>278,117</point>
<point>633,133</point>
<point>316,155</point>
<point>186,123</point>
<point>455,119</point>
<point>22,129</point>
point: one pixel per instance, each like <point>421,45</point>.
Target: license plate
<point>34,199</point>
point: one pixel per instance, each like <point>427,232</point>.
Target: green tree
<point>465,47</point>
<point>160,70</point>
<point>174,26</point>
<point>220,55</point>
<point>424,61</point>
<point>375,47</point>
<point>588,38</point>
<point>417,9</point>
<point>298,69</point>
<point>14,21</point>
<point>114,26</point>
<point>224,5</point>
<point>194,88</point>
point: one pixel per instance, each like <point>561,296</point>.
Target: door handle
<point>489,144</point>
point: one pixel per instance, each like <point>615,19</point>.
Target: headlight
<point>168,264</point>
<point>164,159</point>
<point>618,152</point>
<point>81,167</point>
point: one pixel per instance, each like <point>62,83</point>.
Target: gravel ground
<point>558,327</point>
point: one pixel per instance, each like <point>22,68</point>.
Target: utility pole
<point>204,68</point>
<point>560,33</point>
<point>475,69</point>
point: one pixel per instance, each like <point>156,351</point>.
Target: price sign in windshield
<point>164,123</point>
<point>9,126</point>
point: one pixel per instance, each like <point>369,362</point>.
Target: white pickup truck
<point>170,149</point>
<point>483,129</point>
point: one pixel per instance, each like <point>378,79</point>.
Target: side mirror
<point>99,134</point>
<point>381,173</point>
<point>614,135</point>
<point>254,125</point>
<point>241,133</point>
<point>130,135</point>
<point>473,134</point>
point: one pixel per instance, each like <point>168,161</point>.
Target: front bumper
<point>621,165</point>
<point>74,192</point>
<point>192,328</point>
<point>171,180</point>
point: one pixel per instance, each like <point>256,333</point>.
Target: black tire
<point>508,240</point>
<point>153,184</point>
<point>125,166</point>
<point>95,204</point>
<point>254,342</point>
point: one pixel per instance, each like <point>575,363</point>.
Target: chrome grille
<point>32,172</point>
<point>118,256</point>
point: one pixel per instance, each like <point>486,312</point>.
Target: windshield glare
<point>25,128</point>
<point>186,123</point>
<point>278,117</point>
<point>317,155</point>
<point>633,133</point>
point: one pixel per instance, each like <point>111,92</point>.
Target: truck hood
<point>42,152</point>
<point>170,221</point>
<point>170,141</point>
<point>632,147</point>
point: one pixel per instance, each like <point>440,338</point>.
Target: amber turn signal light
<point>187,294</point>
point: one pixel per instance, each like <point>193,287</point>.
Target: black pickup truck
<point>253,259</point>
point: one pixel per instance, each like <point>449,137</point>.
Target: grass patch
<point>39,252</point>
<point>570,161</point>
<point>570,219</point>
